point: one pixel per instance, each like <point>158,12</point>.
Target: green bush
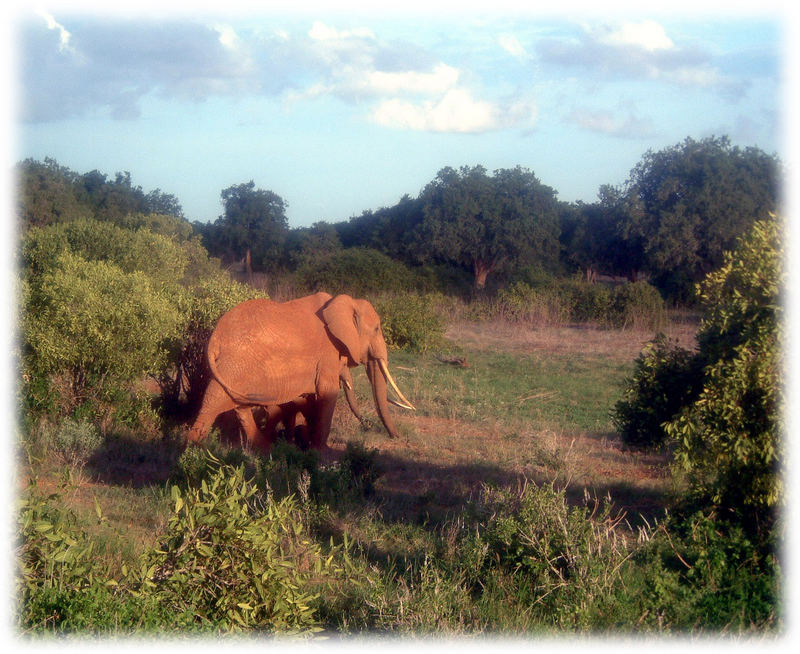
<point>666,378</point>
<point>729,440</point>
<point>520,302</point>
<point>76,440</point>
<point>564,561</point>
<point>700,574</point>
<point>96,323</point>
<point>357,272</point>
<point>587,302</point>
<point>236,559</point>
<point>162,259</point>
<point>410,321</point>
<point>63,585</point>
<point>637,305</point>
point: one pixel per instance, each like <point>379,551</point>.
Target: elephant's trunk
<point>378,374</point>
<point>351,400</point>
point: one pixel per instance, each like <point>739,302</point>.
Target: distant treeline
<point>670,221</point>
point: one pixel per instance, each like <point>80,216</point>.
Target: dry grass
<point>442,459</point>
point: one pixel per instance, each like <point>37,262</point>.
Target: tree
<point>254,224</point>
<point>687,205</point>
<point>46,194</point>
<point>484,223</point>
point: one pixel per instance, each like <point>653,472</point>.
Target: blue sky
<point>339,112</point>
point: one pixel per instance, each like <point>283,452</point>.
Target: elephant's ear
<point>340,317</point>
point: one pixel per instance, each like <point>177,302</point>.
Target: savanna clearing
<point>502,405</point>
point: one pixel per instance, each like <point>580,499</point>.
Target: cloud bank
<point>91,67</point>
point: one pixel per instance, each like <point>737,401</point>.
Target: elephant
<point>269,354</point>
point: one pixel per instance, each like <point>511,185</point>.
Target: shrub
<point>95,322</point>
<point>410,321</point>
<point>357,272</point>
<point>63,586</point>
<point>162,259</point>
<point>638,305</point>
<point>76,440</point>
<point>563,560</point>
<point>523,303</point>
<point>702,574</point>
<point>666,378</point>
<point>729,439</point>
<point>587,302</point>
<point>235,559</point>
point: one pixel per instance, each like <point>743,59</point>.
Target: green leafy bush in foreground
<point>235,559</point>
<point>232,558</point>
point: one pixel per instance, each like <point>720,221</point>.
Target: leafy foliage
<point>666,378</point>
<point>97,322</point>
<point>410,321</point>
<point>355,271</point>
<point>235,560</point>
<point>729,439</point>
<point>482,222</point>
<point>638,305</point>
<point>688,204</point>
<point>254,223</point>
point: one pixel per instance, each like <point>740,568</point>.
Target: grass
<point>528,406</point>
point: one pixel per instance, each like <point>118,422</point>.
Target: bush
<point>637,305</point>
<point>587,302</point>
<point>701,574</point>
<point>357,272</point>
<point>63,586</point>
<point>563,560</point>
<point>235,559</point>
<point>410,321</point>
<point>101,326</point>
<point>666,378</point>
<point>162,259</point>
<point>523,303</point>
<point>730,439</point>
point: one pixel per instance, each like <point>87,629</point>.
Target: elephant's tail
<point>213,352</point>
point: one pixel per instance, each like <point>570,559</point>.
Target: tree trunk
<point>481,269</point>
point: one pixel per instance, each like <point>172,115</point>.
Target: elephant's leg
<point>253,434</point>
<point>323,417</point>
<point>215,402</point>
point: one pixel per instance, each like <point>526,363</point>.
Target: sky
<point>344,111</point>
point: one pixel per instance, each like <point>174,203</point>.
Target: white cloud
<point>440,79</point>
<point>53,24</point>
<point>456,111</point>
<point>511,44</point>
<point>321,32</point>
<point>647,35</point>
<point>612,123</point>
<point>228,36</point>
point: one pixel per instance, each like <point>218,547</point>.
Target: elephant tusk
<point>401,405</point>
<point>387,374</point>
<point>346,383</point>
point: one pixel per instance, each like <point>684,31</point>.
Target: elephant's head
<point>357,328</point>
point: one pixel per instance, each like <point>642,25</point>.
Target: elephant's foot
<point>195,435</point>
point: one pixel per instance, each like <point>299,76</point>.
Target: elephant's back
<point>265,320</point>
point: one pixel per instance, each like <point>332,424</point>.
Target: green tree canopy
<point>50,193</point>
<point>254,222</point>
<point>486,222</point>
<point>688,204</point>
